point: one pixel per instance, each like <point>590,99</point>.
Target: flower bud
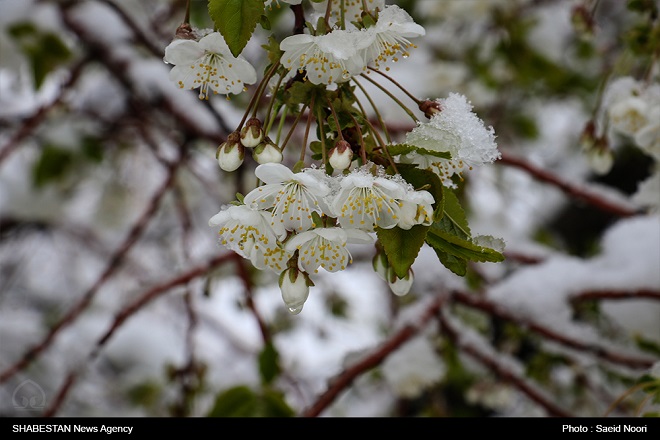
<point>380,264</point>
<point>230,154</point>
<point>267,152</point>
<point>341,155</point>
<point>252,134</point>
<point>294,285</point>
<point>400,286</point>
<point>430,108</point>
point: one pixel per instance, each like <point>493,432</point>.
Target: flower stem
<point>257,94</point>
<point>310,116</point>
<point>334,115</point>
<point>396,83</point>
<point>319,120</point>
<point>186,18</point>
<point>381,121</point>
<point>293,127</point>
<point>394,98</point>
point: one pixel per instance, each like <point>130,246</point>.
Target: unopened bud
<point>185,32</point>
<point>430,108</point>
<point>267,152</point>
<point>252,133</point>
<point>294,285</point>
<point>341,155</point>
<point>231,153</point>
<point>400,286</point>
<point>380,265</point>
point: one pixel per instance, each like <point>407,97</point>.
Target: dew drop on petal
<point>295,310</point>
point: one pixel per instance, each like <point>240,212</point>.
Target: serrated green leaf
<point>236,20</point>
<point>453,215</point>
<point>444,239</point>
<point>451,262</point>
<point>402,246</point>
<point>239,401</point>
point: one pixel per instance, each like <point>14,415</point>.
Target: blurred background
<point>116,299</point>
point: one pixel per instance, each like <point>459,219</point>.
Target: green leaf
<point>451,262</point>
<point>273,404</point>
<point>236,20</point>
<point>453,215</point>
<point>440,237</point>
<point>269,366</point>
<point>397,149</point>
<point>239,401</point>
<point>402,246</point>
<point>53,164</point>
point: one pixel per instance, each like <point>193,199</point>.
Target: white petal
<point>215,43</point>
<point>273,173</point>
<point>299,239</point>
<point>294,42</point>
<point>183,52</point>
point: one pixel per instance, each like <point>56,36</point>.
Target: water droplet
<point>295,310</point>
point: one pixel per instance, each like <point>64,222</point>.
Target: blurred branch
<point>113,264</point>
<point>500,368</point>
<point>615,295</point>
<point>137,31</point>
<point>493,309</point>
<point>570,189</point>
<point>130,310</point>
<point>346,378</point>
<point>32,122</point>
<point>120,66</point>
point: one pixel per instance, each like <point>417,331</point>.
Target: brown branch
<point>502,370</point>
<point>615,295</point>
<point>570,189</point>
<point>119,67</point>
<point>131,310</point>
<point>157,51</point>
<point>493,309</point>
<point>346,378</point>
<point>113,264</point>
<point>31,123</point>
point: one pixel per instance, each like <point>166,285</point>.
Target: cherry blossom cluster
<point>208,64</point>
<point>296,223</point>
<point>300,220</point>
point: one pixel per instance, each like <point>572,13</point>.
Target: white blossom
<point>389,38</point>
<point>416,209</point>
<point>456,130</point>
<point>291,196</point>
<point>647,137</point>
<point>325,247</point>
<point>209,65</point>
<point>365,201</point>
<point>253,235</point>
<point>327,59</point>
